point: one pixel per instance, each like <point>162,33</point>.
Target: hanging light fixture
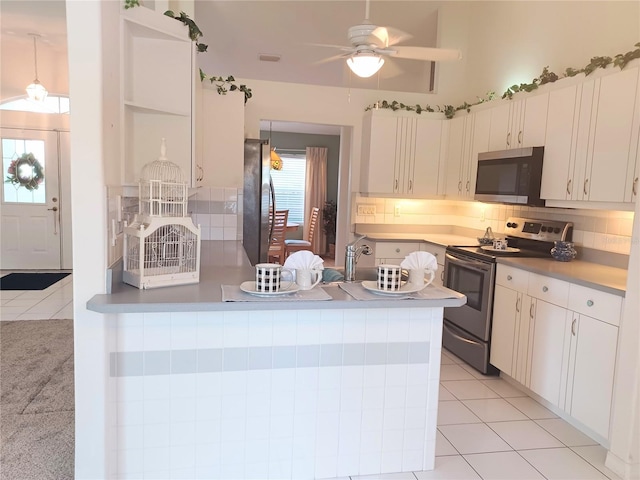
<point>276,161</point>
<point>36,90</point>
<point>365,63</point>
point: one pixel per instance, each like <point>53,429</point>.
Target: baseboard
<point>626,471</point>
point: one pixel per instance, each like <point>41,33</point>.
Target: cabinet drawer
<point>435,250</point>
<point>395,249</point>
<point>596,304</point>
<point>513,278</point>
<point>549,289</point>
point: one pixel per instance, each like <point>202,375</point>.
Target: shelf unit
<point>158,85</point>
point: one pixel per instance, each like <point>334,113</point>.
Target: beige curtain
<point>316,193</point>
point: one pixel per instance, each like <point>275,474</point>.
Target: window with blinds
<point>289,185</point>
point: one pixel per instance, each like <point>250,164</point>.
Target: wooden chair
<point>277,246</point>
<point>297,245</point>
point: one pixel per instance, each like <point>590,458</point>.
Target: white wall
<point>510,42</point>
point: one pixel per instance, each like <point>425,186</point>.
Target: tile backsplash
<point>606,230</point>
<point>218,211</point>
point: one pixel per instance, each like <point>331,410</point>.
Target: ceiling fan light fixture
<point>365,64</point>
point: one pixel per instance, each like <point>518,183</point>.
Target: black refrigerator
<point>258,196</point>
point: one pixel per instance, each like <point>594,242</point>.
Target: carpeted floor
<point>36,400</point>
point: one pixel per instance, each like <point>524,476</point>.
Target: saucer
<point>250,287</point>
<point>405,289</point>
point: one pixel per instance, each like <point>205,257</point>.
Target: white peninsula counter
<point>201,388</point>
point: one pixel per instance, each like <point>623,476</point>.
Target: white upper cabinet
<point>519,123</point>
<point>606,171</point>
<point>221,161</point>
<point>591,147</point>
<point>402,155</point>
<point>158,92</point>
<point>468,136</point>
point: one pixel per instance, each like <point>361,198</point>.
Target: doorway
<point>32,234</point>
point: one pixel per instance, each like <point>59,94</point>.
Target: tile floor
<point>487,429</point>
<point>55,301</point>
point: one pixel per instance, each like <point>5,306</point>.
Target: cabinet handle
<point>569,187</point>
<point>509,277</point>
<point>442,275</point>
<point>468,186</point>
<point>509,139</point>
<point>411,185</point>
<point>634,190</point>
<point>519,137</point>
<point>518,304</point>
<point>573,327</point>
<point>531,311</point>
<point>584,188</point>
<point>545,289</point>
<point>589,303</point>
<point>460,186</point>
<point>397,250</point>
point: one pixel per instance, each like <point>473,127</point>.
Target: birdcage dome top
<point>161,169</point>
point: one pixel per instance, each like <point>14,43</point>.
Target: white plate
<point>250,287</point>
<point>405,289</point>
<point>489,248</point>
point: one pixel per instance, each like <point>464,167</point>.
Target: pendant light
<point>36,90</point>
<point>276,161</point>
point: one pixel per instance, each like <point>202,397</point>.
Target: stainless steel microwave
<point>510,176</point>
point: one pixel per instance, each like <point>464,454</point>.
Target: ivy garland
<point>35,172</point>
<point>620,61</point>
<point>223,85</point>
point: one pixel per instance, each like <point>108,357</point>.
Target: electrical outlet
<point>396,211</point>
<point>364,209</point>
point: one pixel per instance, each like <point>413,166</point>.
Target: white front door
<point>30,200</point>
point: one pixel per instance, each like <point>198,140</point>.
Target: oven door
<point>473,278</point>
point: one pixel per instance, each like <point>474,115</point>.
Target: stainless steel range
<point>471,270</point>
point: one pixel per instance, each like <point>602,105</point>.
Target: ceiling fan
<point>371,43</point>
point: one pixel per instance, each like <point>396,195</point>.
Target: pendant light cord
<point>35,56</point>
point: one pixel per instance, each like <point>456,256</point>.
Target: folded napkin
<point>420,261</point>
<point>304,260</point>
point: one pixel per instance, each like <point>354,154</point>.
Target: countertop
<point>593,275</point>
<point>225,262</point>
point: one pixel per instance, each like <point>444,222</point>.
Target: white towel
<point>420,261</point>
<point>304,260</point>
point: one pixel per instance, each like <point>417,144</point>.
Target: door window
<point>20,169</point>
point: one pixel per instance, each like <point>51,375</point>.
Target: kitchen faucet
<point>352,252</point>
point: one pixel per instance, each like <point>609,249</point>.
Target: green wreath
<point>26,172</point>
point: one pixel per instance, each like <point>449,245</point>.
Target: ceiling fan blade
<point>426,53</point>
<point>331,59</point>
<point>388,36</point>
<point>339,47</point>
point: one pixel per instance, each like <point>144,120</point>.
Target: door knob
<point>54,209</point>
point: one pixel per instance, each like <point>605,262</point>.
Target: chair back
<point>312,223</point>
<point>277,245</point>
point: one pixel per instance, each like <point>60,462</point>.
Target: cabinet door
<point>547,353</point>
<point>455,151</point>
<point>405,155</point>
<point>559,154</point>
<point>379,153</point>
<point>605,182</point>
<point>222,139</point>
<point>594,373</point>
<point>500,125</point>
<point>534,121</point>
<point>427,168</point>
<point>479,144</point>
<point>506,313</point>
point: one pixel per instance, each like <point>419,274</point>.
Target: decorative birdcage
<point>162,245</point>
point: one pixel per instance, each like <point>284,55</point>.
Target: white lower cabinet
<point>558,339</point>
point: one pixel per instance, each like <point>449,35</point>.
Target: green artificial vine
<point>547,76</point>
<point>223,85</point>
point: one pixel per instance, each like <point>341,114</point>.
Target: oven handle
<point>469,263</point>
